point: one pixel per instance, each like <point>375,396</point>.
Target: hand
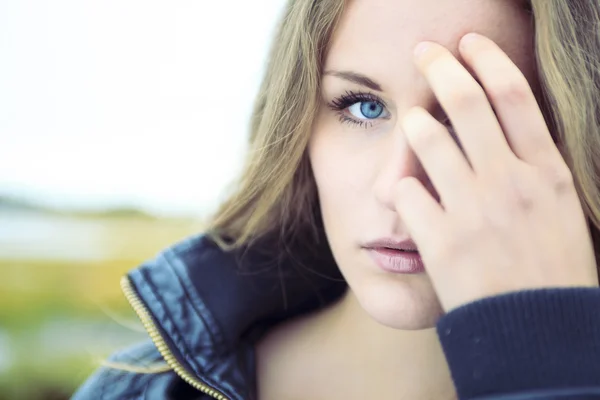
<point>510,218</point>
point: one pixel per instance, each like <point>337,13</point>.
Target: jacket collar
<point>211,306</point>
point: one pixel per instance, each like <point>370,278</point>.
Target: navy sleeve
<point>533,344</point>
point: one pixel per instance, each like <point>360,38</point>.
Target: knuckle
<point>425,139</point>
<point>560,178</point>
<point>521,201</point>
<point>519,194</point>
<point>510,91</point>
<point>509,190</point>
<point>464,99</point>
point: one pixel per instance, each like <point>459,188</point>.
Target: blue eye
<point>368,109</point>
<point>359,108</point>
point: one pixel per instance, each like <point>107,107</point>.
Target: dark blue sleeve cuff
<point>527,341</point>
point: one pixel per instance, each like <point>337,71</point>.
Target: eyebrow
<point>356,78</point>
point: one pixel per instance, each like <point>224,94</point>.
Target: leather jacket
<point>204,309</point>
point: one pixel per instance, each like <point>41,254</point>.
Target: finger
<point>467,107</point>
<point>419,211</point>
<point>442,160</point>
<point>513,100</point>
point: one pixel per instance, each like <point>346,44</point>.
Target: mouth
<point>393,251</point>
<point>407,245</point>
<point>398,261</point>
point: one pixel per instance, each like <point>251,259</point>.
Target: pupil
<point>371,109</point>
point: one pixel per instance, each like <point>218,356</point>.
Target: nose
<point>398,161</point>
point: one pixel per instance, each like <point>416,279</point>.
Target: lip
<point>397,261</point>
<point>390,243</point>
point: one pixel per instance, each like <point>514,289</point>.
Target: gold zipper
<point>148,322</point>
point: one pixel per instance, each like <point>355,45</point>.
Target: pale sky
<point>141,102</point>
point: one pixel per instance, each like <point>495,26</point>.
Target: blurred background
<point>121,124</point>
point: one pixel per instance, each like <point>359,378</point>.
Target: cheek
<point>341,173</point>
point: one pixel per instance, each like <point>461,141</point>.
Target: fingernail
<point>470,38</point>
<point>421,48</point>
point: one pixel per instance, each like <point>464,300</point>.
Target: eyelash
<point>349,98</point>
<point>341,103</point>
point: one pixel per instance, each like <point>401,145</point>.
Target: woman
<point>414,221</point>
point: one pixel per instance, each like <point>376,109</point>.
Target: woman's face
<point>359,152</point>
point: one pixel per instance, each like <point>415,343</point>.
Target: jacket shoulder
<point>136,372</point>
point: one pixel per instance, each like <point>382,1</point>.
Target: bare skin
<point>378,341</point>
<point>325,355</point>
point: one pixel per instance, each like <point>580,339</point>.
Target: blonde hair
<point>275,196</point>
<point>567,50</point>
<point>276,193</point>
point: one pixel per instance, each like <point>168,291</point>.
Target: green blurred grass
<point>60,318</point>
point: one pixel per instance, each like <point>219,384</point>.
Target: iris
<point>371,109</point>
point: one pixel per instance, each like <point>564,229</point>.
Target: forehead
<point>376,37</point>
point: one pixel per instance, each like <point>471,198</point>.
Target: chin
<point>406,302</point>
